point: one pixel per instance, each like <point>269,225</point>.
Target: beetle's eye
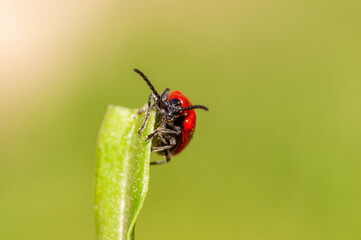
<point>175,102</point>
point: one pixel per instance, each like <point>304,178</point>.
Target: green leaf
<point>122,172</point>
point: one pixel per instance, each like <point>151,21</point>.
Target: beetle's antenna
<point>195,107</point>
<point>149,84</point>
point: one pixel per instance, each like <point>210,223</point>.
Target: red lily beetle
<point>175,121</point>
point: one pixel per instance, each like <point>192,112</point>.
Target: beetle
<point>175,121</point>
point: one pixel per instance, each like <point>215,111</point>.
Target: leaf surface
<point>122,172</point>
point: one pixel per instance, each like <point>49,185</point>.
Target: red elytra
<point>175,121</point>
<point>189,122</point>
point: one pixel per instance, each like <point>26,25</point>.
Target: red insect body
<point>175,121</point>
<point>189,122</point>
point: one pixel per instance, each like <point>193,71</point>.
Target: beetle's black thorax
<point>164,138</point>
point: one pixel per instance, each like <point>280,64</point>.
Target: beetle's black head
<point>173,110</point>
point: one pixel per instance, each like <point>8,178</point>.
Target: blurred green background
<point>277,157</point>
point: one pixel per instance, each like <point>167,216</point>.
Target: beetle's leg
<point>172,143</point>
<point>160,162</point>
<point>164,141</point>
<point>159,103</point>
<point>158,106</point>
<point>168,158</point>
<point>145,107</point>
<point>162,130</point>
<point>168,154</point>
<point>177,129</point>
<point>165,94</point>
<point>147,114</point>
